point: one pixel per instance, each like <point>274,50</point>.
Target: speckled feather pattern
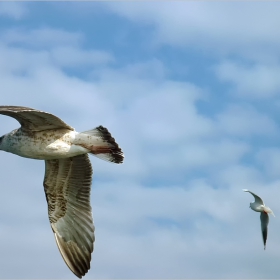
<point>68,175</point>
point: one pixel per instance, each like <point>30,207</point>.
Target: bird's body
<point>50,144</point>
<point>259,206</point>
<point>68,175</point>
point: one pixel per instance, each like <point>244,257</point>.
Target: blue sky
<point>191,92</point>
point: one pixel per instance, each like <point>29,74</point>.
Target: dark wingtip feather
<point>116,154</point>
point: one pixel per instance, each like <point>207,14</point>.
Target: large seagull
<point>68,175</point>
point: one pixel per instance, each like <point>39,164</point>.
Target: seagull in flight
<point>68,175</point>
<point>259,206</point>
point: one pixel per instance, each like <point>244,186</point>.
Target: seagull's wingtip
<point>244,190</point>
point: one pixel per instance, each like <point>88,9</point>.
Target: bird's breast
<point>48,144</point>
<point>256,207</point>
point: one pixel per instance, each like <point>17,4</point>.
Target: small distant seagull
<point>259,206</point>
<point>68,175</point>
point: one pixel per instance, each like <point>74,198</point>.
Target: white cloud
<point>197,208</point>
<point>14,10</point>
<point>240,176</point>
<point>74,57</point>
<point>245,121</point>
<point>211,26</point>
<point>153,68</point>
<point>213,153</point>
<point>27,52</point>
<point>269,159</point>
<point>44,37</point>
<point>180,228</point>
<point>254,81</point>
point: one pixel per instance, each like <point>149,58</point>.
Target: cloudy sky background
<point>191,92</point>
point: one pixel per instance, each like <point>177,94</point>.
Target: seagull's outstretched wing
<point>67,186</point>
<point>257,198</point>
<point>264,225</point>
<point>33,120</point>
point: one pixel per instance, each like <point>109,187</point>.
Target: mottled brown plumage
<point>68,175</point>
<point>33,120</point>
<point>69,208</point>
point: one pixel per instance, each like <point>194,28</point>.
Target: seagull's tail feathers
<point>100,143</point>
<point>268,210</point>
